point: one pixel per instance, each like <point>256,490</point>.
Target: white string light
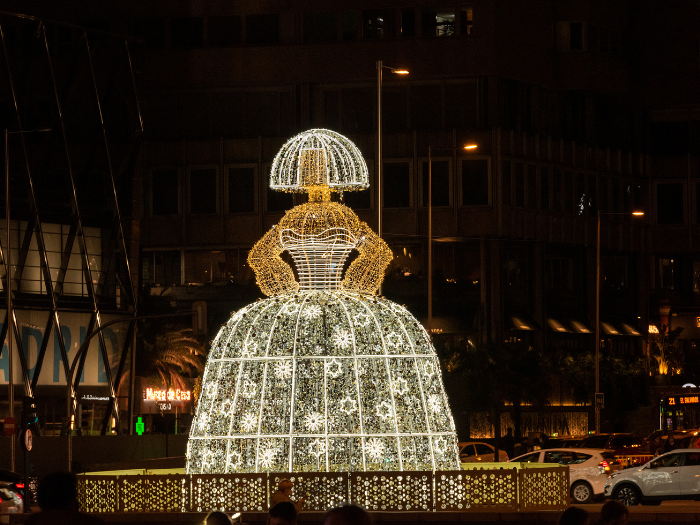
<point>323,375</point>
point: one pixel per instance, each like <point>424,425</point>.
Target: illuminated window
<point>378,23</point>
<point>466,21</point>
<point>438,21</point>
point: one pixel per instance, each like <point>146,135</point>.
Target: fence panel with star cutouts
<point>229,492</point>
<point>394,491</point>
<point>543,488</point>
<point>155,493</point>
<point>321,490</point>
<point>476,489</point>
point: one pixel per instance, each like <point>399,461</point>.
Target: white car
<point>588,468</point>
<point>475,452</point>
<point>673,475</point>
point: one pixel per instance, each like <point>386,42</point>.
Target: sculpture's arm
<point>274,276</point>
<point>366,273</point>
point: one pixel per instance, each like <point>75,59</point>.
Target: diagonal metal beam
<point>117,379</point>
<point>65,258</point>
<point>42,351</point>
<point>24,250</point>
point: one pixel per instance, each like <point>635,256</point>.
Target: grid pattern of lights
<point>322,381</point>
<point>323,375</point>
<point>319,157</point>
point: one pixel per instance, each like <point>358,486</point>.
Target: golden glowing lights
<point>470,146</point>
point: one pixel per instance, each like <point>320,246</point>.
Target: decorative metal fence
<point>462,490</point>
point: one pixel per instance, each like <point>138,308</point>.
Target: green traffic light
<point>139,426</point>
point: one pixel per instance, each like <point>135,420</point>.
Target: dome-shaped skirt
<point>322,381</point>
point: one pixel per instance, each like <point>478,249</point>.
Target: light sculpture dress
<point>323,375</point>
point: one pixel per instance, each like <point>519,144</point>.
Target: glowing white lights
<point>322,375</point>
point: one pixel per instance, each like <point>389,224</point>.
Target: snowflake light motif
<point>317,447</point>
<point>334,368</point>
<point>362,319</point>
<point>428,370</point>
<point>434,403</point>
<point>400,386</point>
<point>207,459</point>
<point>249,388</point>
<point>249,422</point>
<point>283,369</point>
<point>290,308</point>
<point>266,458</point>
<point>348,405</point>
<point>342,338</point>
<point>313,422</point>
<point>374,448</point>
<point>250,348</point>
<point>394,340</point>
<point>210,390</point>
<point>234,459</point>
<point>440,445</point>
<point>203,421</point>
<point>384,410</point>
<point>312,311</point>
<point>227,408</point>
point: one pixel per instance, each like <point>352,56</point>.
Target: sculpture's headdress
<point>319,157</point>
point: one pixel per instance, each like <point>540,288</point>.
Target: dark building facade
<point>577,109</point>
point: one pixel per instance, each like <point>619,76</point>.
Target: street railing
<point>477,489</point>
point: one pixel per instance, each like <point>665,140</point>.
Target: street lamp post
<point>597,314</point>
<point>380,67</point>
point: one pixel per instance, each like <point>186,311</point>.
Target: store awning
<point>579,327</point>
<point>521,322</point>
<point>557,326</point>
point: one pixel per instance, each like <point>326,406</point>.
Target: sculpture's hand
<point>274,276</point>
<point>366,273</point>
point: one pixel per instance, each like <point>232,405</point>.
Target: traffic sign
<point>9,426</point>
<point>26,439</point>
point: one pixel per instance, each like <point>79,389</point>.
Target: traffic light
<point>29,415</point>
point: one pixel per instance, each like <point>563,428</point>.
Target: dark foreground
<point>676,512</point>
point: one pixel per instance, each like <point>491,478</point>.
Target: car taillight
<point>19,485</point>
<point>605,465</point>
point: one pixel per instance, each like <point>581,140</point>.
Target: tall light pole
<point>597,314</point>
<point>380,67</point>
<point>430,230</point>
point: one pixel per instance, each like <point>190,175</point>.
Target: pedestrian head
<point>216,517</point>
<point>285,486</point>
<point>283,513</point>
<point>347,515</point>
<point>58,491</point>
<point>574,516</point>
<point>613,513</point>
<point>671,439</point>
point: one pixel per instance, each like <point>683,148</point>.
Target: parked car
<point>13,493</point>
<point>588,469</point>
<point>475,452</point>
<point>564,442</point>
<point>673,475</point>
<point>629,449</point>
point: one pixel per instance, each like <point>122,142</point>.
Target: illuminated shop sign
<point>683,400</point>
<point>152,394</point>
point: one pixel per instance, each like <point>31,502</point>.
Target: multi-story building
<point>577,110</point>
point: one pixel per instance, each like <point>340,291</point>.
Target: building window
<point>277,200</point>
<point>440,174</point>
<point>556,191</point>
<point>357,110</point>
<point>241,189</point>
<point>559,273</point>
<point>320,26</point>
<point>397,185</point>
<point>544,188</point>
<point>187,33</point>
<point>394,108</point>
<point>203,194</point>
<point>507,186</point>
<point>165,191</point>
<point>567,185</point>
<point>514,271</point>
<point>613,274</point>
<point>666,274</point>
<point>466,21</point>
<point>519,176</point>
<point>153,30</point>
<point>531,184</point>
<point>378,23</point>
<point>211,266</point>
<point>696,276</point>
<point>576,36</point>
<point>475,182</point>
<point>669,203</point>
<point>224,31</point>
<point>358,200</point>
<point>438,21</point>
<point>166,268</point>
<point>408,22</point>
<point>262,29</point>
<point>426,107</point>
<point>350,23</point>
<point>461,105</point>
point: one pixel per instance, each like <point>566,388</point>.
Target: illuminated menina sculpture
<point>323,375</point>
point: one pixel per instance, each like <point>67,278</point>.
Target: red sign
<point>9,426</point>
